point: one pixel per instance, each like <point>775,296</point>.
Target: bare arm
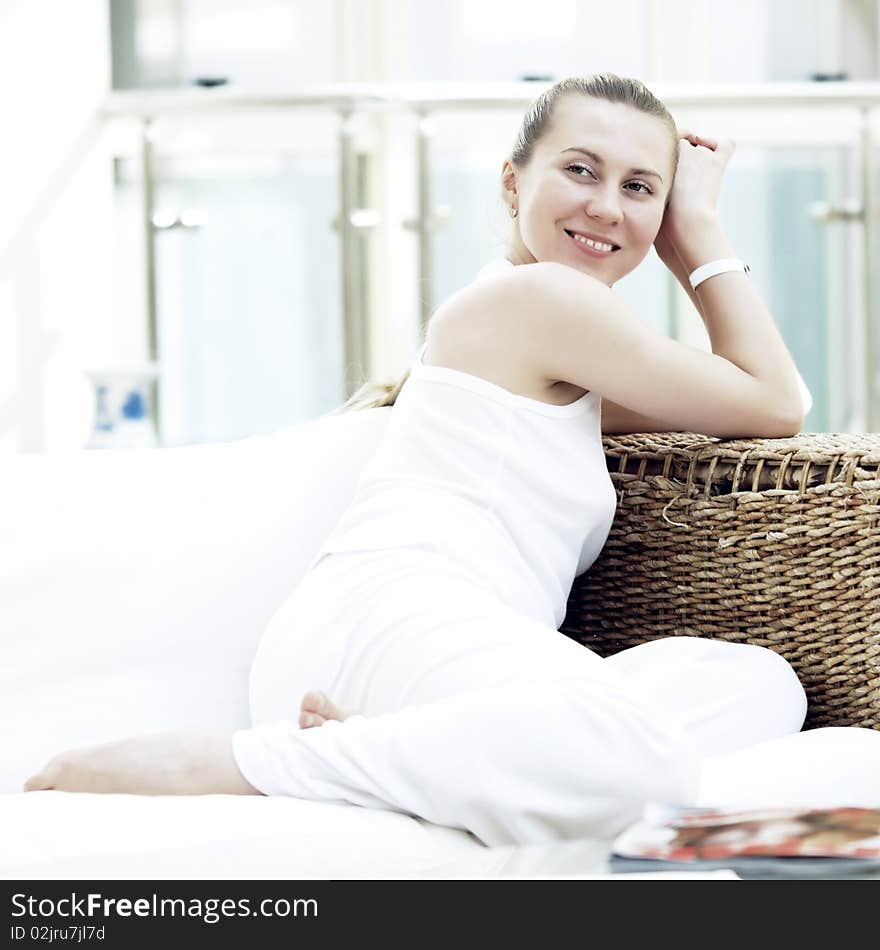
<point>666,253</point>
<point>572,327</point>
<point>740,326</point>
<point>617,419</point>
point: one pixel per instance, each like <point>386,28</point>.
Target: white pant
<point>474,716</point>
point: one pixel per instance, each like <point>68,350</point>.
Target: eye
<point>585,168</point>
<point>646,190</point>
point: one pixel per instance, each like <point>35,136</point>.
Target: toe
<point>314,701</point>
<point>320,706</point>
<point>307,720</point>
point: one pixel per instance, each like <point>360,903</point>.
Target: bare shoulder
<point>480,331</point>
<point>510,308</point>
<point>559,327</point>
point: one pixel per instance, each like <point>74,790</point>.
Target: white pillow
<point>820,768</point>
<point>135,584</point>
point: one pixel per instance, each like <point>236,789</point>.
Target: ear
<point>508,179</point>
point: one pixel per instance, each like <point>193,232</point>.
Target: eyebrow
<point>600,161</point>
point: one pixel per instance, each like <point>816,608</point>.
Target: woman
<point>432,610</point>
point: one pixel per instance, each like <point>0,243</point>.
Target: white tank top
<point>514,491</point>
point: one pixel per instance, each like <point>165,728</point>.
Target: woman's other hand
<point>694,198</point>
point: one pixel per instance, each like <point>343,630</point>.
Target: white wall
<point>505,40</point>
<point>55,234</point>
<point>260,43</point>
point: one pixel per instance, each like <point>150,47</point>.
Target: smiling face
<point>601,170</point>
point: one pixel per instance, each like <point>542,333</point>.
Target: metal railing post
<point>148,205</point>
<point>352,304</point>
<point>869,250</point>
<point>424,221</point>
<point>428,218</point>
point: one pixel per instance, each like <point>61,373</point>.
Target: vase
<point>124,416</point>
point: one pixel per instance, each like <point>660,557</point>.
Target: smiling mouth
<point>598,247</point>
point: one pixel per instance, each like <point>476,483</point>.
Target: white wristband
<point>722,266</point>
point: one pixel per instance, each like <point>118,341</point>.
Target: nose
<point>604,205</point>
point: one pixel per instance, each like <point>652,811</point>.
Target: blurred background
<point>219,218</point>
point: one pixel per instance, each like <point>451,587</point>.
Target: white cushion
<point>135,584</point>
<point>819,768</point>
<point>56,835</point>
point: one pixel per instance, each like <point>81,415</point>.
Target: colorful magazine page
<point>769,842</point>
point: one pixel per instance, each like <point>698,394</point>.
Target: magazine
<point>777,842</point>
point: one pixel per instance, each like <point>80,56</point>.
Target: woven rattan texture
<point>769,541</point>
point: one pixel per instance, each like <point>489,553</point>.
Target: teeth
<point>596,244</point>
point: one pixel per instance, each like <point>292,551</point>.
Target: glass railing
<point>299,244</point>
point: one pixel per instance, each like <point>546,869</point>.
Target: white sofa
<point>134,587</point>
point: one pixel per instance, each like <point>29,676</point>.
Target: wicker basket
<point>773,542</point>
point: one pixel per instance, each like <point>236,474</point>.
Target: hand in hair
<point>694,197</point>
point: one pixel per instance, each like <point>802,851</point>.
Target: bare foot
<point>317,708</point>
<point>185,762</point>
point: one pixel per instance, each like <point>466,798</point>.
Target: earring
<point>513,212</point>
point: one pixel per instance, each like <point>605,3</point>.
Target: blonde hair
<point>630,92</point>
<point>608,86</point>
<point>374,395</point>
